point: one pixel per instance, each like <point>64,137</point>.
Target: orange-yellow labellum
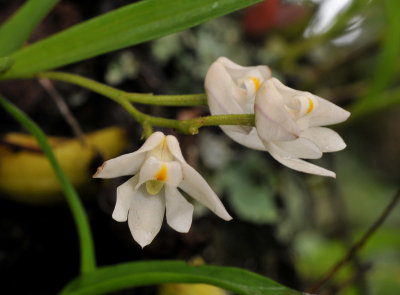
<point>310,106</point>
<point>256,82</point>
<point>162,173</point>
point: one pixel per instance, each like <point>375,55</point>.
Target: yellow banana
<point>27,176</point>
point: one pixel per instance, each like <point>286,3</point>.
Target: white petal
<point>237,71</point>
<point>151,167</point>
<point>299,148</point>
<point>179,210</point>
<point>327,113</point>
<point>324,113</point>
<point>146,216</point>
<point>303,166</point>
<point>273,122</point>
<point>286,92</point>
<point>226,96</point>
<point>326,139</point>
<point>223,96</point>
<point>175,174</point>
<point>128,164</point>
<point>174,148</point>
<point>125,193</point>
<point>250,140</point>
<point>223,86</point>
<point>302,105</point>
<point>195,185</point>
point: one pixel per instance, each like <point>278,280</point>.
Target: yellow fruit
<point>27,176</point>
<point>190,289</point>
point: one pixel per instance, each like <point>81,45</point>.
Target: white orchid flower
<point>288,123</point>
<point>287,120</point>
<point>159,170</point>
<point>231,89</point>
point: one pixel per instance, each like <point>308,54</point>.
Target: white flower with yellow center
<point>231,89</point>
<point>287,120</point>
<point>159,170</point>
<point>288,124</point>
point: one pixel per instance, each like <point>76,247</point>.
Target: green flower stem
<point>88,262</point>
<point>168,100</point>
<point>147,130</point>
<point>144,98</point>
<point>190,126</point>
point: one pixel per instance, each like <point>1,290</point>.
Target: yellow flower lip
<point>162,174</point>
<point>256,83</point>
<point>310,105</point>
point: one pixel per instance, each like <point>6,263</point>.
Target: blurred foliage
<point>246,182</point>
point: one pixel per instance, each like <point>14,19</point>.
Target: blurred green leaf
<point>134,274</point>
<point>385,100</point>
<point>365,194</point>
<point>247,184</point>
<point>316,254</point>
<point>16,30</point>
<point>385,240</point>
<point>5,64</point>
<point>387,63</point>
<point>382,251</point>
<point>129,25</point>
<point>390,48</point>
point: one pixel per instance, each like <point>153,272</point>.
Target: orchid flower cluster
<point>287,121</point>
<point>287,125</point>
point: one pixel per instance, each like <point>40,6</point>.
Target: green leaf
<point>88,261</point>
<point>5,64</point>
<point>383,101</point>
<point>16,30</point>
<point>134,274</point>
<point>129,25</point>
<point>387,62</point>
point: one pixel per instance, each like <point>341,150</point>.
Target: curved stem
<point>190,126</point>
<point>116,94</point>
<point>147,130</point>
<point>167,100</point>
<point>88,261</point>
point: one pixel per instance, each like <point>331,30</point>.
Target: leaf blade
<point>386,68</point>
<point>134,274</point>
<point>17,29</point>
<point>88,260</point>
<point>123,27</point>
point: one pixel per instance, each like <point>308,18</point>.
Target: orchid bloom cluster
<point>287,125</point>
<point>287,121</point>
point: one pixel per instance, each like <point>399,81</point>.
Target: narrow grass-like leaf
<point>383,101</point>
<point>129,25</point>
<point>134,274</point>
<point>388,61</point>
<point>16,30</point>
<point>88,263</point>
